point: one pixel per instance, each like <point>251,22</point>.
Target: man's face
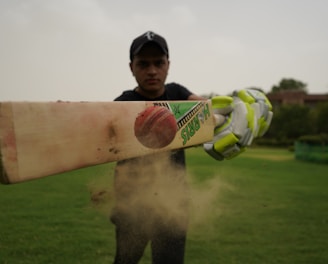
<point>150,68</point>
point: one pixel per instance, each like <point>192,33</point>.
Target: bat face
<point>38,139</point>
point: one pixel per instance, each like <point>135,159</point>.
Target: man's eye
<point>143,64</point>
<point>159,63</point>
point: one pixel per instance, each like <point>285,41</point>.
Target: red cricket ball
<point>155,127</point>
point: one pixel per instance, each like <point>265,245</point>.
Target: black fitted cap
<point>145,38</point>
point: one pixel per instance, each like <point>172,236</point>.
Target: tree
<point>321,118</point>
<point>289,85</point>
<point>291,122</point>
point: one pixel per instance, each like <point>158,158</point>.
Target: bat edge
<point>8,174</point>
<point>4,179</point>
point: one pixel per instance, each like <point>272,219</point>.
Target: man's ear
<point>130,65</point>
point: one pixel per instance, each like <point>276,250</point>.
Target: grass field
<point>262,207</point>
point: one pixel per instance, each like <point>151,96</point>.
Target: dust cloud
<point>152,190</point>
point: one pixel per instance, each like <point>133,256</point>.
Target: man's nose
<point>152,69</point>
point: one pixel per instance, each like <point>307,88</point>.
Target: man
<point>151,192</point>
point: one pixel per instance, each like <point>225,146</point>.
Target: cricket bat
<point>39,139</point>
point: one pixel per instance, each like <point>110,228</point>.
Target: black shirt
<point>173,91</point>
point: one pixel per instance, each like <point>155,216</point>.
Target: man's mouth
<point>151,81</point>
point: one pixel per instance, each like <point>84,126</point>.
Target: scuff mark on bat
<point>111,131</point>
<point>114,150</point>
<point>112,134</point>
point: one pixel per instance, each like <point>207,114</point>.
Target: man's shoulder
<point>173,85</point>
<point>176,91</point>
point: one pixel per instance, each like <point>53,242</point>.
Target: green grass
<point>262,207</point>
<point>274,210</point>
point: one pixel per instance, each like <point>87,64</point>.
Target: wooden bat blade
<point>39,139</point>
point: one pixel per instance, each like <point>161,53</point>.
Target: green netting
<point>311,152</point>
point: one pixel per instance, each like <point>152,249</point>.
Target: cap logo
<point>150,35</point>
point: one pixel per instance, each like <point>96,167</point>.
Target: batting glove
<point>240,118</point>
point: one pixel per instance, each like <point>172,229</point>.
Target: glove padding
<point>240,118</point>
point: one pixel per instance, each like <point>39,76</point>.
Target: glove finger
<point>222,104</point>
<point>239,119</point>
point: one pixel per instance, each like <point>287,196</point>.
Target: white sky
<point>78,49</point>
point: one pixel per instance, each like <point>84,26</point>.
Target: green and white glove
<point>240,118</point>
